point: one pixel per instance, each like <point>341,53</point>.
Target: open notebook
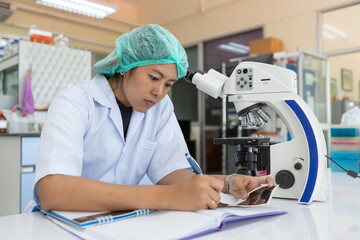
<point>85,219</point>
<point>163,224</point>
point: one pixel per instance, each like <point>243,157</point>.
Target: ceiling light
<point>334,30</point>
<point>234,48</point>
<point>328,35</point>
<point>83,7</point>
<point>240,46</point>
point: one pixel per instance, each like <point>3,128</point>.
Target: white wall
<point>293,21</point>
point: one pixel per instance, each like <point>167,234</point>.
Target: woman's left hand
<point>240,185</point>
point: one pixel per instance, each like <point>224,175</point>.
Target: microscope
<point>299,165</point>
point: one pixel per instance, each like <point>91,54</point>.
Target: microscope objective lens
<point>263,114</point>
<point>243,121</point>
<point>252,119</point>
<point>259,119</point>
<point>248,120</point>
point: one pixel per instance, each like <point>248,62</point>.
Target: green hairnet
<point>150,44</point>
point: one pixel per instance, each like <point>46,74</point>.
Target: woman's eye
<point>153,78</point>
<point>168,85</point>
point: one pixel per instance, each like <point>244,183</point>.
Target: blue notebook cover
<point>85,219</point>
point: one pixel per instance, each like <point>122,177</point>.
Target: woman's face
<point>146,86</point>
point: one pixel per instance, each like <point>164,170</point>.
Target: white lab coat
<point>83,136</point>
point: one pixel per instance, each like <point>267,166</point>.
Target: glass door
<point>314,83</point>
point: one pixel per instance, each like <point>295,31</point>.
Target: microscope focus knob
<point>285,179</point>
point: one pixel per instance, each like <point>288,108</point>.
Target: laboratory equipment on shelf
<point>299,165</point>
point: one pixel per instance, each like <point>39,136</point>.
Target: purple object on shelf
<point>28,99</point>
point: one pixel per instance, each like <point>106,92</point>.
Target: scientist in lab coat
<point>101,137</point>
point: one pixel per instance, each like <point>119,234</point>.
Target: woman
<point>101,138</point>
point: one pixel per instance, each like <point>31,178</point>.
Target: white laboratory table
<point>337,218</point>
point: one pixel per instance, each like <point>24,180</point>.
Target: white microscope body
<point>301,161</point>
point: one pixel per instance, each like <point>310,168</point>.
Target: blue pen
<point>195,166</point>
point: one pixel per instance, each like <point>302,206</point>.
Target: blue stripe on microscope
<point>313,152</point>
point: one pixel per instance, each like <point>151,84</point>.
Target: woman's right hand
<point>195,192</point>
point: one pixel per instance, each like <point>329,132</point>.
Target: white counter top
<point>337,218</point>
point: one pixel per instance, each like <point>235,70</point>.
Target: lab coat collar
<point>101,91</point>
<point>104,95</point>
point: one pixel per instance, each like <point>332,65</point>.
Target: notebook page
<point>230,212</point>
<point>213,212</point>
<point>157,225</point>
<point>227,198</point>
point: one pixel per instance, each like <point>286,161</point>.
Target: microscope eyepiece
<point>190,74</point>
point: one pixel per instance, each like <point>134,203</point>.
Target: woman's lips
<point>149,103</point>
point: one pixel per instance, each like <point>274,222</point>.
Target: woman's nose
<point>158,89</point>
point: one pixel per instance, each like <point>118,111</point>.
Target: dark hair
<point>118,77</point>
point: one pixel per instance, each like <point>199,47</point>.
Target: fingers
<point>267,180</point>
<point>208,190</point>
<point>216,184</point>
<point>240,185</point>
<point>237,186</point>
<point>212,205</point>
<point>196,192</point>
<point>270,181</point>
<point>214,198</point>
<point>214,192</point>
<point>240,192</point>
